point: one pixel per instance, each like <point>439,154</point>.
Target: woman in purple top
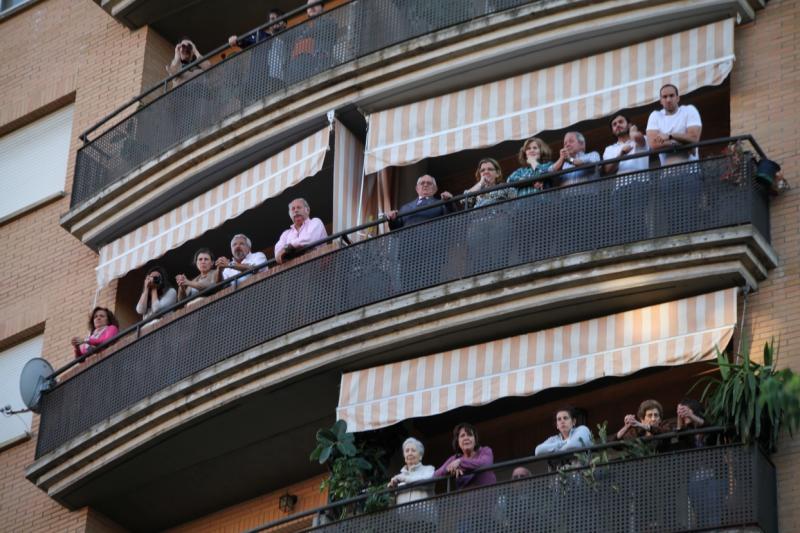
<point>469,456</point>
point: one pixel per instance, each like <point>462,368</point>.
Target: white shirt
<point>684,118</point>
<point>631,165</point>
<point>251,259</point>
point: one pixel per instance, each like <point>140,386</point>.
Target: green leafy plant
<point>354,468</point>
<point>755,399</point>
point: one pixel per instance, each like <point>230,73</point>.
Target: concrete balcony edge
<point>705,261</point>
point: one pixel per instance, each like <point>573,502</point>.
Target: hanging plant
<point>755,400</point>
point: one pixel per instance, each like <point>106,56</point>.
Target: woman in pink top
<point>103,326</point>
<point>469,456</point>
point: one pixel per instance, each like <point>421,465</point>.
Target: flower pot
<point>766,170</point>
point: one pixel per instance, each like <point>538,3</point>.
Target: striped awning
<point>549,99</point>
<point>348,165</point>
<point>668,334</point>
<point>209,210</point>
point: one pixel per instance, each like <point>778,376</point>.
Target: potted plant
<point>755,400</point>
<point>354,468</point>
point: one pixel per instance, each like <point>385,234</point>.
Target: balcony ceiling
<point>207,22</point>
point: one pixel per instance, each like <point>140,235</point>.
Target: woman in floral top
<point>532,154</point>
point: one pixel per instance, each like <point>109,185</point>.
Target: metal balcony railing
<point>716,192</point>
<point>343,34</point>
<point>710,488</point>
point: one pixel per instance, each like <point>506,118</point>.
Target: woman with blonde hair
<point>533,155</point>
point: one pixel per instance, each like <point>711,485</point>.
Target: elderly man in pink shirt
<point>304,231</point>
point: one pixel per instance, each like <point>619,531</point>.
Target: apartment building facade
<point>597,297</point>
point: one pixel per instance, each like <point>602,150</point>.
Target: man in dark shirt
<point>426,190</point>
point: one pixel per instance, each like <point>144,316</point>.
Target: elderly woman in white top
<point>569,437</point>
<point>414,470</point>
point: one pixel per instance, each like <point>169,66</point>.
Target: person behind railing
<point>674,125</point>
<point>520,472</point>
<point>690,414</point>
<point>185,53</point>
<point>647,422</point>
<point>570,436</point>
<point>469,456</point>
<point>629,141</point>
<point>413,471</point>
<point>707,486</point>
<point>204,262</point>
<point>517,503</point>
<point>242,259</point>
<point>303,231</point>
<point>488,174</point>
<point>278,54</point>
<point>103,326</point>
<point>573,154</point>
<point>426,191</point>
<point>313,43</point>
<point>262,34</point>
<point>534,155</point>
<point>157,293</point>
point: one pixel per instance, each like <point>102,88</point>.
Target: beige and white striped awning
<point>549,99</point>
<point>668,334</point>
<point>348,166</point>
<point>209,210</point>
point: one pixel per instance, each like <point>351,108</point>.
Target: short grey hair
<point>300,200</point>
<point>242,236</point>
<point>434,182</point>
<point>417,444</point>
<point>578,135</point>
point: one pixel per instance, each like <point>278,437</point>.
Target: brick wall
<point>56,52</point>
<point>258,511</point>
<point>765,102</point>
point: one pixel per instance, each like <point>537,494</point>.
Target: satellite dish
<point>34,380</point>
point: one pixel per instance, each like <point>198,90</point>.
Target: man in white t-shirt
<point>242,259</point>
<point>674,125</point>
<point>629,141</point>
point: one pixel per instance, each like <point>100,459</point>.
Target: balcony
<point>717,488</point>
<point>612,243</point>
<point>176,145</point>
<point>233,86</point>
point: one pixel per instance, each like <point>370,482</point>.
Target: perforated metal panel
<point>625,209</point>
<point>339,36</point>
<point>708,488</point>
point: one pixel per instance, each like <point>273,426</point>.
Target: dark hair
<point>276,11</point>
<point>647,405</point>
<point>112,320</point>
<point>202,251</point>
<point>545,154</point>
<point>614,117</point>
<point>470,429</point>
<point>496,166</point>
<point>165,284</point>
<point>668,85</point>
<point>696,407</point>
<point>573,413</point>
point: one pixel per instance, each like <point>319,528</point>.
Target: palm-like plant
<point>756,400</point>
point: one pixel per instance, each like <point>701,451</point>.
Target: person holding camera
<point>186,53</point>
<point>157,294</point>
